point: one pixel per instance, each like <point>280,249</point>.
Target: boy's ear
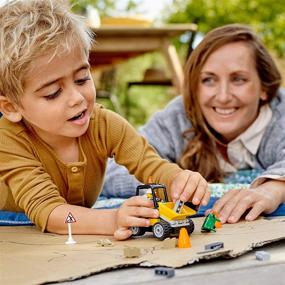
<point>10,110</point>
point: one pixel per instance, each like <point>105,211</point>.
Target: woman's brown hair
<point>201,152</point>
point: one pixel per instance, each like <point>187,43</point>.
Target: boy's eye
<point>82,81</point>
<point>53,95</point>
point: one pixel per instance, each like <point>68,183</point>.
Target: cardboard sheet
<point>28,256</point>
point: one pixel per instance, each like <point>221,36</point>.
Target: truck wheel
<point>190,227</point>
<point>137,231</point>
<point>161,230</point>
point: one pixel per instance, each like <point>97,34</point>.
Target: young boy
<point>54,142</point>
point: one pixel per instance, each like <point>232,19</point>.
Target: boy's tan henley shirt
<point>35,181</point>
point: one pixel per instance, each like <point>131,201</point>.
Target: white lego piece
<point>262,255</point>
<point>70,239</point>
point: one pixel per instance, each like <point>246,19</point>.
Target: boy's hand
<point>190,186</point>
<point>134,212</point>
<point>263,199</point>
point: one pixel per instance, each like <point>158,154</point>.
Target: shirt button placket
<point>75,186</point>
<point>74,169</point>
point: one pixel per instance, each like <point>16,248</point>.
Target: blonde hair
<point>30,29</point>
<point>201,152</point>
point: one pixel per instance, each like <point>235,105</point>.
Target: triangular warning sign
<point>70,219</point>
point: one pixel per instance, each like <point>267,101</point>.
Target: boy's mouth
<point>78,117</point>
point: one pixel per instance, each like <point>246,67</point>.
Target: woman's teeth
<point>225,111</point>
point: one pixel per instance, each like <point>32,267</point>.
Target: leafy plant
<point>105,7</point>
<point>267,17</point>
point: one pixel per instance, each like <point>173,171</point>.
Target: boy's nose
<point>75,97</point>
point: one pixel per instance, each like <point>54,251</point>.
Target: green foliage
<point>267,17</point>
<point>105,7</point>
<point>140,102</point>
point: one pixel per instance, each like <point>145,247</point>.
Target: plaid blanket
<point>239,180</point>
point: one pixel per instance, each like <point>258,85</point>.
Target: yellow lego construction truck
<point>170,220</point>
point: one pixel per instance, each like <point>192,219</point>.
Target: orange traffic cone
<point>218,224</point>
<point>184,239</point>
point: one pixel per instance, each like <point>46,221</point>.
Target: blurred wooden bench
<point>115,44</point>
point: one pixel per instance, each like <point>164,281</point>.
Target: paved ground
<point>244,270</point>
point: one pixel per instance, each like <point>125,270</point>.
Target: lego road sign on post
<point>69,220</point>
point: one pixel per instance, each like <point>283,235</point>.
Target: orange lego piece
<point>184,239</point>
<point>215,213</point>
<point>218,224</point>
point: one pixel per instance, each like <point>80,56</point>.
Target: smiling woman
<point>230,119</point>
<point>230,90</point>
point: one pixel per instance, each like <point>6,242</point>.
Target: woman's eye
<point>82,81</point>
<point>208,80</point>
<point>239,79</point>
<point>53,95</point>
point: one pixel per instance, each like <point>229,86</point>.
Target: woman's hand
<point>134,212</point>
<point>190,186</point>
<point>265,198</point>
